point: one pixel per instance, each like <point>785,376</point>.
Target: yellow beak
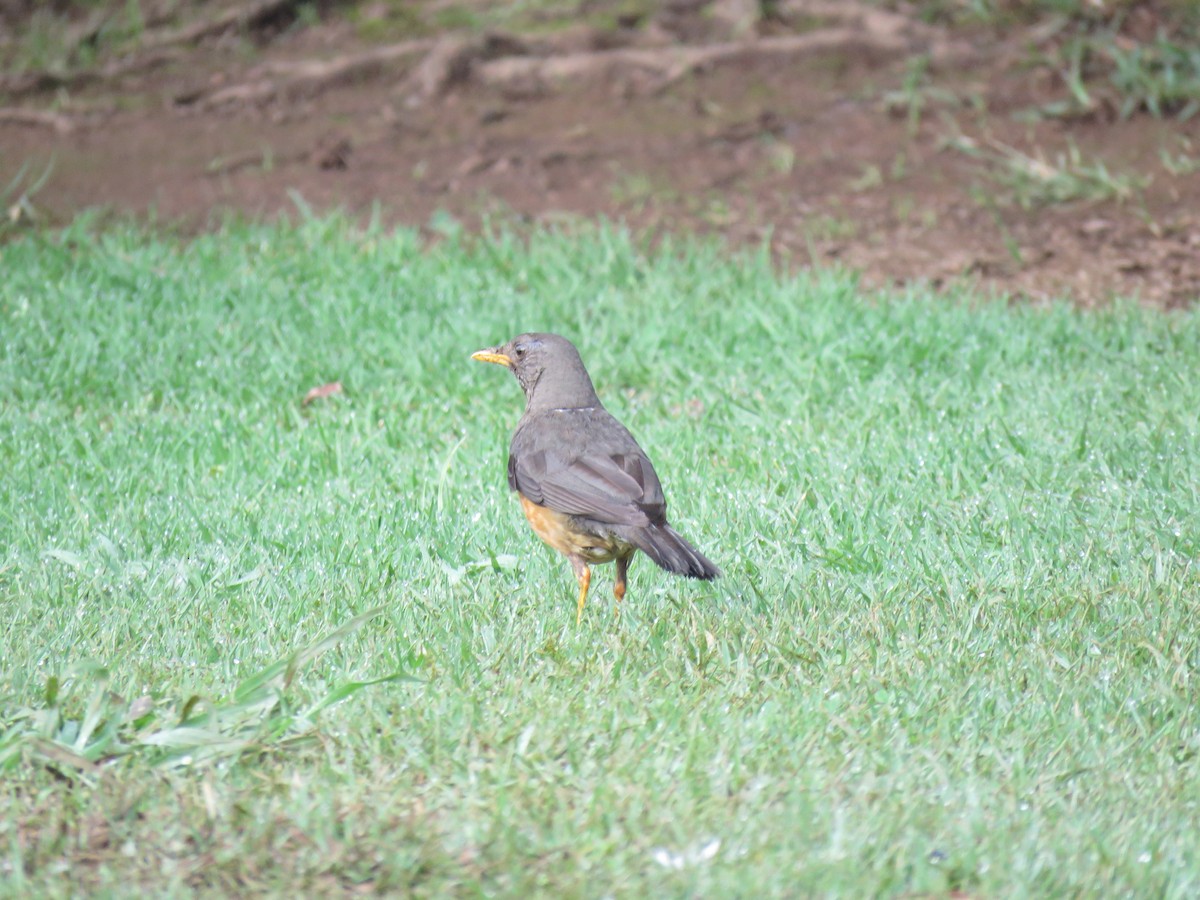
<point>493,357</point>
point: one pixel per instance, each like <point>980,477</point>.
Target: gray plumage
<point>571,455</point>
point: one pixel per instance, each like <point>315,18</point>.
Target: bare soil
<point>811,131</point>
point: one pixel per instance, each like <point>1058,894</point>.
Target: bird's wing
<point>611,482</point>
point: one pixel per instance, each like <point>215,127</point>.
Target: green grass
<point>59,37</point>
<point>1142,57</point>
<point>955,646</point>
<point>16,199</point>
<point>1034,180</point>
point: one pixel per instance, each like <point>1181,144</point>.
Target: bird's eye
<point>520,351</point>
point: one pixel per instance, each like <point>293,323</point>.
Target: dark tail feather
<point>664,545</point>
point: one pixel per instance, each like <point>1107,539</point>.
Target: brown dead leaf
<point>323,391</point>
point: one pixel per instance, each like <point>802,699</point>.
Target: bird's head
<point>548,368</point>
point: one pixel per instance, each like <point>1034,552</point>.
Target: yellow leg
<point>584,575</point>
<point>619,584</point>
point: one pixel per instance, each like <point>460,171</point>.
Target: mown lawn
<point>955,647</point>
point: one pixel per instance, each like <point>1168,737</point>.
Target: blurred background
<point>1043,148</point>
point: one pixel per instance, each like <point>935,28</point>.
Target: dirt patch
<point>840,134</point>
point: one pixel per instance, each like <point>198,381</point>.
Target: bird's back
<point>583,462</point>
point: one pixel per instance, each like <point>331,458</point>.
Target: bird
<point>586,487</point>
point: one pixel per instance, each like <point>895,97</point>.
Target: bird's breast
<point>564,533</point>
